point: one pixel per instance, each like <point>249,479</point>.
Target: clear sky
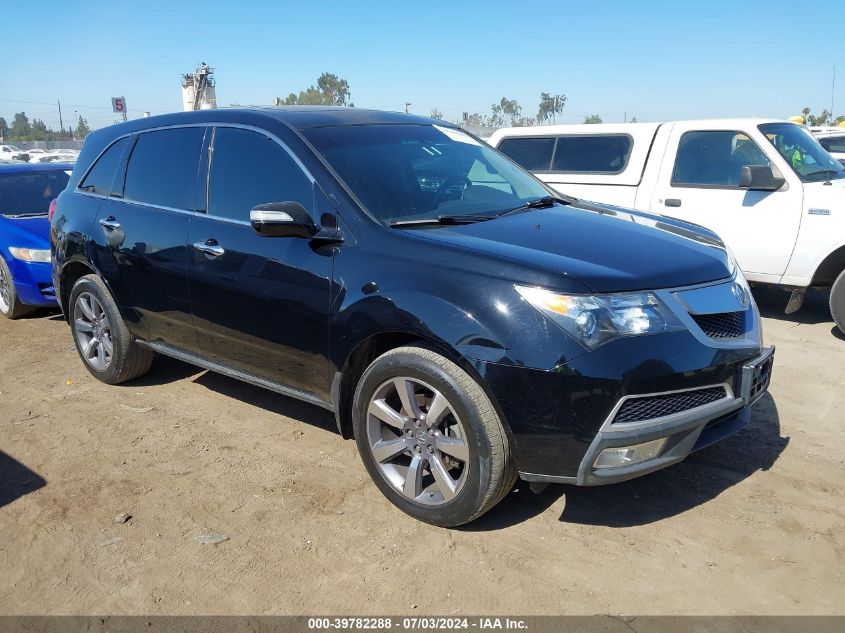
<point>653,60</point>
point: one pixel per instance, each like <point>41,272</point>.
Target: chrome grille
<point>650,407</point>
<point>723,325</point>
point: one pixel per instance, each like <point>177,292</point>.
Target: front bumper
<point>33,282</point>
<point>685,432</point>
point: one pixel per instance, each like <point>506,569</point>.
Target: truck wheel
<point>430,437</point>
<point>10,305</point>
<point>102,339</point>
<point>837,301</point>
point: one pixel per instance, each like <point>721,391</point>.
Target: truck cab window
<point>714,158</point>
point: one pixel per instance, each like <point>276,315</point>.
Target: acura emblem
<point>741,296</point>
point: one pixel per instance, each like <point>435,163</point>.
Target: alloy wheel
<point>5,293</point>
<point>93,332</point>
<point>417,440</point>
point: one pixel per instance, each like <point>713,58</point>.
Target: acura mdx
<point>465,324</point>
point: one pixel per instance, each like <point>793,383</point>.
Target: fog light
<point>628,455</point>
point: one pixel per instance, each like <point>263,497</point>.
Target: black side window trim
<point>207,160</point>
<point>120,165</point>
<point>207,125</point>
<point>123,165</point>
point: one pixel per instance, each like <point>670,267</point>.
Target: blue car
<point>26,192</point>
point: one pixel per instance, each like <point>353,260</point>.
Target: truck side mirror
<point>759,178</point>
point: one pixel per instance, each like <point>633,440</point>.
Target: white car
<point>765,186</point>
<point>13,153</point>
<point>36,155</point>
<point>832,139</point>
<point>61,156</point>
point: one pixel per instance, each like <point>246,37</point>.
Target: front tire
<point>10,306</point>
<point>430,438</point>
<point>102,339</point>
<point>837,301</point>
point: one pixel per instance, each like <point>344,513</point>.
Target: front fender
<point>499,328</point>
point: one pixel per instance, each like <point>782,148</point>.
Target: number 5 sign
<point>118,104</point>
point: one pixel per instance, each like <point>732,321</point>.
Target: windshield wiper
<point>539,203</point>
<point>442,220</point>
<point>828,174</point>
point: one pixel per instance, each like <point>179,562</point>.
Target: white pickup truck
<point>767,187</point>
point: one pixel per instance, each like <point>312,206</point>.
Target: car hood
<point>607,248</point>
<point>37,225</point>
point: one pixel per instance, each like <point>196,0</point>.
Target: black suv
<point>465,324</point>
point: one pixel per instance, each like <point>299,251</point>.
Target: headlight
<point>30,254</point>
<point>596,319</point>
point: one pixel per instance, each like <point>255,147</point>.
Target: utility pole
<point>61,124</point>
<point>407,105</point>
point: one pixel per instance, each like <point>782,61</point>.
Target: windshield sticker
<point>457,135</point>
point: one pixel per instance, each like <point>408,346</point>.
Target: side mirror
<point>759,178</point>
<point>282,219</point>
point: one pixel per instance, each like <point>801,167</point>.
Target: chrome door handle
<point>110,223</point>
<point>210,247</point>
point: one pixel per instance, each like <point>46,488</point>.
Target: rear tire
<point>102,339</point>
<point>447,461</point>
<point>10,306</point>
<point>837,301</point>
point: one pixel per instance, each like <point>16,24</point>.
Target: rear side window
<point>30,193</point>
<point>714,158</point>
<point>101,178</point>
<point>248,169</point>
<point>601,154</point>
<point>833,143</point>
<point>534,154</point>
<point>162,169</point>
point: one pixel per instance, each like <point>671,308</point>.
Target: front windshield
<point>807,158</point>
<point>410,172</point>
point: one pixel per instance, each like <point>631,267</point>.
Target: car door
<point>701,185</point>
<point>260,304</point>
<point>141,233</point>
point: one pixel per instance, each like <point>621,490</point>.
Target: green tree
<point>20,126</point>
<point>836,121</point>
<point>593,118</point>
<point>822,119</point>
<point>806,114</point>
<point>82,128</point>
<point>633,119</point>
<point>507,111</point>
<point>474,120</point>
<point>436,114</point>
<point>550,106</point>
<point>335,88</point>
<point>39,131</point>
<point>330,90</point>
<point>4,128</point>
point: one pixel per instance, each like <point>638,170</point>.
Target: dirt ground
<point>755,525</point>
